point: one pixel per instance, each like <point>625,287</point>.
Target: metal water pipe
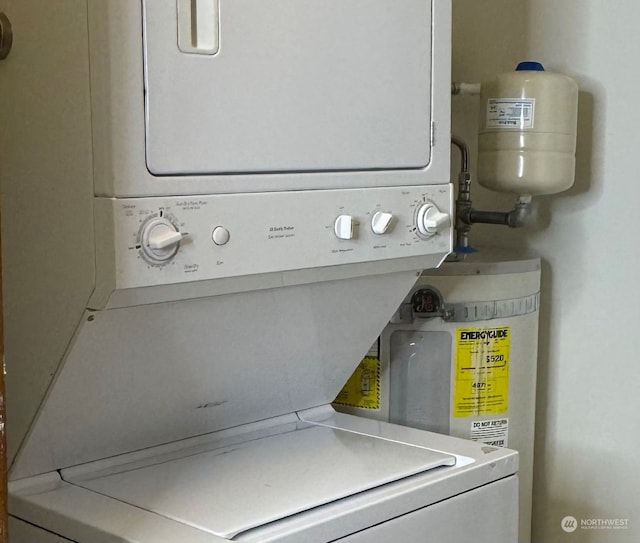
<point>466,215</point>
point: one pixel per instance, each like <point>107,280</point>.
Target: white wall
<point>588,417</point>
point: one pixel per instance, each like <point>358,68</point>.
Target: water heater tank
<point>527,138</point>
<point>460,357</point>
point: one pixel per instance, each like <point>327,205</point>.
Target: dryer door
<point>287,85</point>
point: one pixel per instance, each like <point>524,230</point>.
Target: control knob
<point>160,239</point>
<point>380,222</point>
<point>343,227</point>
<point>430,220</point>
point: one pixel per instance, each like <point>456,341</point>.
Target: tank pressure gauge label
<point>515,113</point>
<point>482,371</point>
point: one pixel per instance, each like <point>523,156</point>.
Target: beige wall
<point>588,416</point>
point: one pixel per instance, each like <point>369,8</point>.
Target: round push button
<point>220,235</point>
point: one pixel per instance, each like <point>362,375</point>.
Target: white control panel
<point>179,239</point>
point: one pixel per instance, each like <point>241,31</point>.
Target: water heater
<point>527,138</point>
<point>460,357</point>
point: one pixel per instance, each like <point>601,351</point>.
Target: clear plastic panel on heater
<point>420,374</point>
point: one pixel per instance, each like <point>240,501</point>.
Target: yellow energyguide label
<point>363,387</point>
<point>482,371</point>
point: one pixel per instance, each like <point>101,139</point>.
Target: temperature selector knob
<point>430,220</point>
<point>343,227</point>
<point>159,239</point>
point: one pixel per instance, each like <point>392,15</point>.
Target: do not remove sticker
<point>492,432</point>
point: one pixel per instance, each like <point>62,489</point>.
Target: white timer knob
<point>160,239</point>
<point>430,220</point>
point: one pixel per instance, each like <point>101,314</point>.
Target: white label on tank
<point>492,432</point>
<point>510,112</point>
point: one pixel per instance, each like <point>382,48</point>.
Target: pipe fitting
<point>466,216</point>
<point>458,87</point>
<point>516,218</point>
<point>519,215</point>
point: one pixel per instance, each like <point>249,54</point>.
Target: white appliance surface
<point>331,94</point>
<point>284,93</point>
<point>325,477</point>
<point>247,485</point>
<point>163,372</point>
<point>477,516</point>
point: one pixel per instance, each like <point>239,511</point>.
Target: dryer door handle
<point>199,26</point>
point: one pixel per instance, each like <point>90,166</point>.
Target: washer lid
<point>236,488</point>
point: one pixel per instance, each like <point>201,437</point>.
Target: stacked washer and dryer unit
<point>210,210</point>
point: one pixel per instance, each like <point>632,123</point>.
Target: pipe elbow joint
<point>519,215</point>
